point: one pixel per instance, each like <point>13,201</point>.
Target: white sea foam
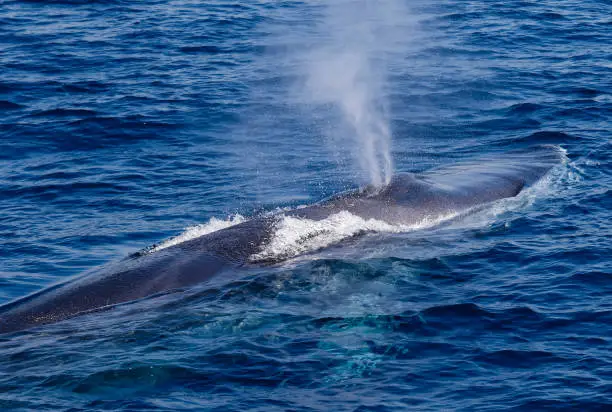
<point>193,232</point>
<point>294,236</point>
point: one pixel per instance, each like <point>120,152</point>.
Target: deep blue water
<point>122,123</point>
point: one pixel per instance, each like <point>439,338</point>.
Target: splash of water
<point>196,231</point>
<point>346,70</point>
<point>294,236</point>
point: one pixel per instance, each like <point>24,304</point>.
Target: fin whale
<point>407,199</point>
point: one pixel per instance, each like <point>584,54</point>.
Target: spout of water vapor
<point>346,69</point>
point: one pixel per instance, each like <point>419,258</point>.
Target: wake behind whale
<point>408,202</point>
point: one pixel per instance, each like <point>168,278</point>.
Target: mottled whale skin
<point>408,199</point>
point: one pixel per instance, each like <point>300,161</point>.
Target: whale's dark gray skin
<point>408,199</point>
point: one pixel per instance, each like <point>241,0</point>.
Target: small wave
<point>61,112</point>
<point>8,105</point>
<point>294,236</point>
<point>208,49</point>
<point>193,232</point>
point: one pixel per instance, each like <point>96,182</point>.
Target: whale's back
<point>408,199</point>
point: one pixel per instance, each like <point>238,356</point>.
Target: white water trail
<point>294,236</point>
<point>347,70</point>
<point>192,232</point>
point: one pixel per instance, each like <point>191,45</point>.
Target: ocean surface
<point>124,124</point>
